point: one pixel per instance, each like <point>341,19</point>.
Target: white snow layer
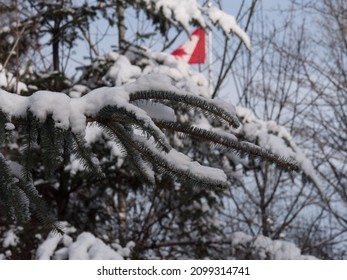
<point>275,138</point>
<point>72,112</point>
<point>158,111</point>
<point>10,239</point>
<point>88,247</point>
<point>228,24</point>
<point>185,163</point>
<point>85,247</point>
<point>175,74</point>
<point>122,71</point>
<point>179,73</point>
<point>262,248</point>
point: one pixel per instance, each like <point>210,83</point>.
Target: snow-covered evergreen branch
<point>206,105</point>
<point>231,142</point>
<point>55,124</point>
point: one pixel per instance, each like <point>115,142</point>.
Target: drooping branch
<point>173,163</point>
<point>55,124</point>
<point>231,142</point>
<point>211,107</point>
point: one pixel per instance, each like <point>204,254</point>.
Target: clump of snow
<point>180,73</point>
<point>151,81</point>
<point>85,247</point>
<point>13,104</point>
<point>88,247</point>
<point>124,251</point>
<point>245,115</point>
<point>47,248</point>
<point>230,108</point>
<point>15,168</point>
<point>153,70</point>
<point>95,133</point>
<point>9,126</point>
<point>122,71</point>
<point>9,81</point>
<point>72,112</point>
<point>42,103</point>
<point>203,123</point>
<point>74,166</point>
<point>228,24</point>
<point>157,111</point>
<point>10,239</point>
<point>186,164</point>
<point>276,138</point>
<point>263,248</point>
<point>78,90</point>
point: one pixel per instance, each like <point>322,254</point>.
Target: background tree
<point>289,81</point>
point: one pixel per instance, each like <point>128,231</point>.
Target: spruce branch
<point>38,206</point>
<point>142,166</point>
<point>6,192</point>
<point>229,141</point>
<point>84,154</point>
<point>3,121</point>
<point>121,115</point>
<point>57,135</point>
<point>160,158</point>
<point>20,199</point>
<point>52,145</point>
<point>30,146</point>
<point>205,105</point>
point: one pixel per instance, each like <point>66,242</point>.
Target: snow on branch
<point>115,109</point>
<point>53,123</point>
<point>184,12</point>
<point>244,246</point>
<point>84,247</point>
<point>230,142</point>
<point>228,24</point>
<point>180,12</point>
<point>8,80</point>
<point>275,138</point>
<point>194,101</point>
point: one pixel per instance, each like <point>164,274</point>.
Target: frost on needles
<point>135,115</point>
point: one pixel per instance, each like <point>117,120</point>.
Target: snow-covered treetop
<point>184,12</point>
<point>137,62</point>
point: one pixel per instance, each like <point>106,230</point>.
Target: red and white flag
<point>193,50</point>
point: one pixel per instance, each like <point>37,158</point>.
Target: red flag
<point>193,50</point>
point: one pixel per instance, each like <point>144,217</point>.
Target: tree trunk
<point>121,25</point>
<point>122,215</point>
<point>55,45</point>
